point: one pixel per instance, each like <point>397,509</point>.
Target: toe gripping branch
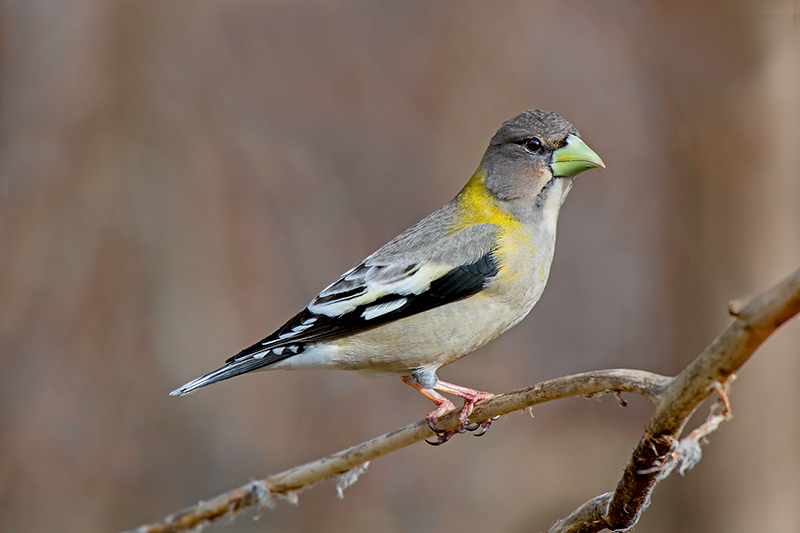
<point>443,405</point>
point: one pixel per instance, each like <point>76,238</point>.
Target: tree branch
<point>658,452</point>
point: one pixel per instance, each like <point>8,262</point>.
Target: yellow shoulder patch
<point>478,206</point>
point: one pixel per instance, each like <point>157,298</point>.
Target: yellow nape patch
<point>478,206</point>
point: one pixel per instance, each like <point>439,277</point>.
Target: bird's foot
<point>465,424</point>
<point>443,407</point>
<point>470,399</point>
<point>469,404</point>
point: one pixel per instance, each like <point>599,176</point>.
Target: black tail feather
<point>228,371</point>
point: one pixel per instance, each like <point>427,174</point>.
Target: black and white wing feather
<point>367,297</point>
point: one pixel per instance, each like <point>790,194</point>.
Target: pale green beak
<point>573,158</point>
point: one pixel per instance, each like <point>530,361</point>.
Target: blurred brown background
<point>184,176</point>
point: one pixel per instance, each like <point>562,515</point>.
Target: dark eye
<point>533,144</point>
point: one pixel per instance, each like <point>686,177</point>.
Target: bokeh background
<point>181,177</point>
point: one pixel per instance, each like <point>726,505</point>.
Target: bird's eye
<point>533,144</point>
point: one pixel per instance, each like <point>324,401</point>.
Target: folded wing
<point>369,296</point>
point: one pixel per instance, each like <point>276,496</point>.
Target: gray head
<point>532,150</point>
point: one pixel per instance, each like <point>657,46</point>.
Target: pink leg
<point>470,396</point>
<point>443,405</point>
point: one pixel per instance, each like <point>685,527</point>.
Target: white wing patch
<point>362,286</point>
<point>292,348</point>
<point>307,323</point>
<point>381,309</point>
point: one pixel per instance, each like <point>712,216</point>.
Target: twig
<point>261,493</point>
<point>675,399</point>
<point>757,318</point>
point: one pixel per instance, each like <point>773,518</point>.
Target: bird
<point>446,286</point>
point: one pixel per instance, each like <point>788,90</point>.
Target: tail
<point>230,370</point>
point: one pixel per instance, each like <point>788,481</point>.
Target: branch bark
<point>658,452</point>
<point>659,449</point>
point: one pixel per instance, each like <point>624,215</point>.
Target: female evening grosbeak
<point>446,286</point>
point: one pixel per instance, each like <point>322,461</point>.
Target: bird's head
<point>532,159</point>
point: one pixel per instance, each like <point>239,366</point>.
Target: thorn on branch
<point>738,307</point>
<point>621,400</point>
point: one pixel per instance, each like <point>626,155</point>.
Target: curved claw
<point>442,438</point>
<point>471,427</point>
<point>485,426</point>
<point>482,432</point>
